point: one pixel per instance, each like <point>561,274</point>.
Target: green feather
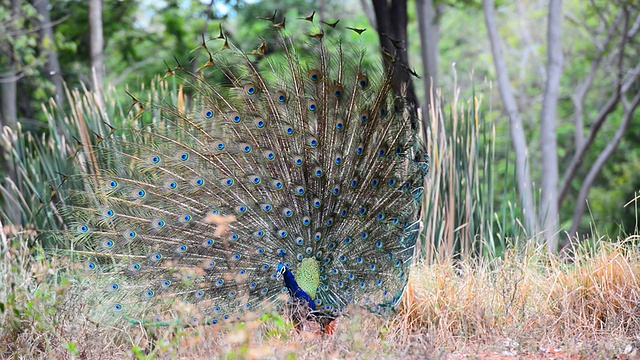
<point>308,276</point>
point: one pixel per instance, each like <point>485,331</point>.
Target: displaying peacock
<point>285,175</point>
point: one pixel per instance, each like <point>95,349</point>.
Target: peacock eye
<point>364,117</point>
<point>207,113</point>
<point>337,91</point>
<point>314,75</point>
<point>281,97</point>
<point>363,81</point>
<point>250,89</point>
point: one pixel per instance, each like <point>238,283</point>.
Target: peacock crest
<point>296,173</point>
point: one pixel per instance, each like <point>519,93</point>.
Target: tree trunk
<point>9,95</point>
<point>429,38</point>
<point>97,46</point>
<point>518,137</point>
<point>548,141</point>
<point>48,46</point>
<point>392,22</point>
<point>9,118</point>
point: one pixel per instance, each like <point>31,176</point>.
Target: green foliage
<point>72,347</point>
<point>615,216</point>
<point>18,41</point>
<point>22,59</point>
<point>25,307</point>
<point>72,36</point>
<point>276,326</point>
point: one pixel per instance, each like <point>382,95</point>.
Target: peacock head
<point>281,270</point>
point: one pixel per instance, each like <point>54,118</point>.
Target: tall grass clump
<point>461,210</point>
<point>49,166</point>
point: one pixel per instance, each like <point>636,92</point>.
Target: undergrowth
<point>527,300</point>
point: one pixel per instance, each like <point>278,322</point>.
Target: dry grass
<point>521,305</point>
<point>531,300</point>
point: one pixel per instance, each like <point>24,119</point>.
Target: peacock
<point>288,175</point>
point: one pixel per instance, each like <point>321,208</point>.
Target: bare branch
<point>530,43</point>
<point>609,107</point>
<point>371,16</point>
<point>581,94</point>
<point>578,158</point>
<point>603,20</point>
<point>601,161</point>
<point>635,28</point>
<point>35,29</point>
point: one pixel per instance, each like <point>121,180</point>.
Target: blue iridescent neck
<point>295,290</point>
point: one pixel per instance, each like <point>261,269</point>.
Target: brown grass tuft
<point>600,292</point>
<point>529,297</point>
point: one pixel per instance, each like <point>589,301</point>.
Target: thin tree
<point>518,137</point>
<point>548,120</point>
<point>428,21</point>
<point>9,114</point>
<point>97,48</point>
<point>48,46</point>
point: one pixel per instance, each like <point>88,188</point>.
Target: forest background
<point>530,111</point>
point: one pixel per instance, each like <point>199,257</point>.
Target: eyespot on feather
<point>235,117</point>
<point>337,91</point>
<point>259,123</point>
<point>250,89</point>
<point>363,81</point>
<point>281,97</point>
<point>314,75</point>
<point>364,117</point>
<point>312,106</point>
<point>207,113</point>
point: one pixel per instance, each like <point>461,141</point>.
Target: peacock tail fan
<point>296,160</point>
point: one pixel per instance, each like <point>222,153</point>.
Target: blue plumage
<point>294,289</point>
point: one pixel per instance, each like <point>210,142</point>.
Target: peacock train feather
<point>291,174</point>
